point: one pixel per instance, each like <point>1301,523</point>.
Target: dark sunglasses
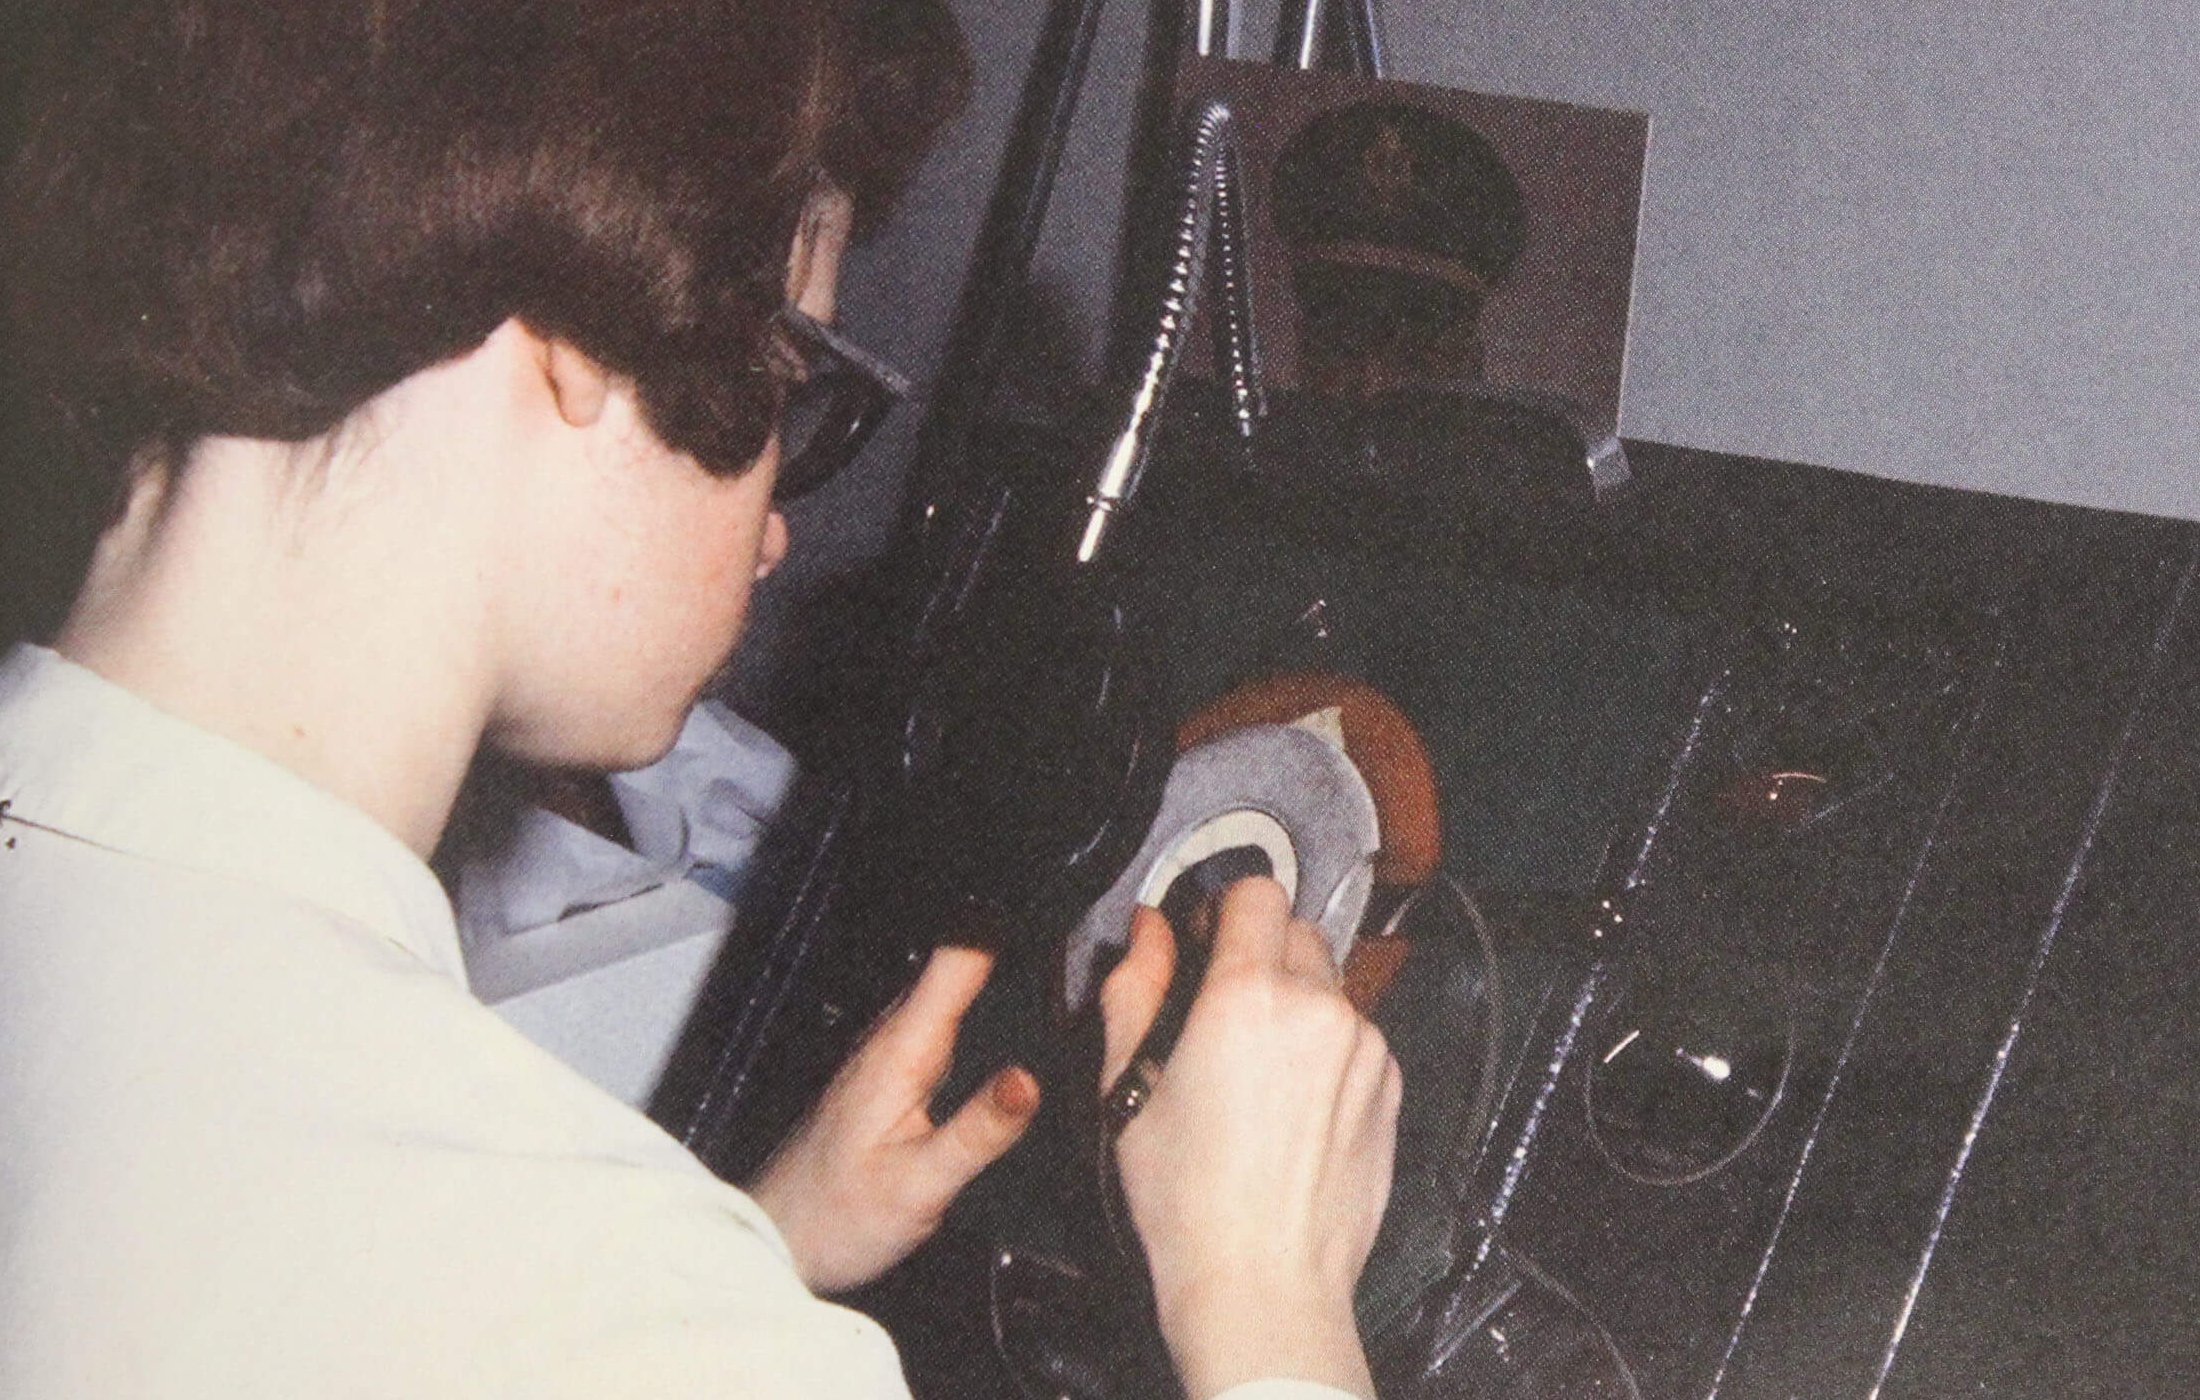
<point>837,395</point>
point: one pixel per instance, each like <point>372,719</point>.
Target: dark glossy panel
<point>2066,666</point>
<point>2071,1262</point>
<point>1773,931</point>
<point>1784,775</point>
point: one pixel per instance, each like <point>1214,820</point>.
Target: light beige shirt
<point>257,1139</point>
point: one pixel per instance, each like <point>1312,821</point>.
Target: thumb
<point>980,1131</point>
<point>1133,993</point>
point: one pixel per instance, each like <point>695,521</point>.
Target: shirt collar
<point>85,757</point>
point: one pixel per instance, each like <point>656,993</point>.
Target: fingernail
<point>1016,1093</point>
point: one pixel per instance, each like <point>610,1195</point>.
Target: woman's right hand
<point>1257,1171</point>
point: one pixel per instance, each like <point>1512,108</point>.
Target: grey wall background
<point>1953,241</point>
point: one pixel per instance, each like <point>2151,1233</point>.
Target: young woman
<point>415,366</point>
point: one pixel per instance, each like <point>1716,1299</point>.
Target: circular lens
<point>1688,1071</point>
<point>1440,1012</point>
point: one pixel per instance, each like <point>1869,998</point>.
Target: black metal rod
<point>1363,34</point>
<point>1299,33</point>
<point>1173,34</point>
<point>1000,267</point>
<point>1308,36</point>
<point>1208,26</point>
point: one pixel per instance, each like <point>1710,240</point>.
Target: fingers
<point>1384,1145</point>
<point>980,1132</point>
<point>1133,993</point>
<point>951,981</point>
<point>1257,932</point>
<point>919,1035</point>
<point>1366,1093</point>
<point>1255,926</point>
<point>1306,954</point>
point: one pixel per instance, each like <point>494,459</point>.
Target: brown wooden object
<point>1381,742</point>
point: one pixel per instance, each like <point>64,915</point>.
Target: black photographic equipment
<point>1800,1004</point>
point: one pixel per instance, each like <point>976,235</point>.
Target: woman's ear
<point>578,384</point>
<point>813,266</point>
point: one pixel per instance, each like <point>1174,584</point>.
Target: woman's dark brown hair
<point>239,217</point>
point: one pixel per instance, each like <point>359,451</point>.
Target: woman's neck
<point>324,622</point>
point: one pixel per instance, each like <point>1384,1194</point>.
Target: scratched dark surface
<point>1958,984</point>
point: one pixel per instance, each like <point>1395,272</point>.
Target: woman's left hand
<point>868,1175</point>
